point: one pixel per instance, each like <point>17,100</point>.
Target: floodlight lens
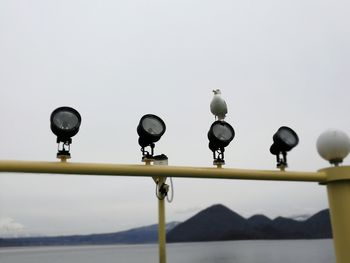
<point>65,122</point>
<point>288,136</point>
<point>153,126</point>
<point>222,132</point>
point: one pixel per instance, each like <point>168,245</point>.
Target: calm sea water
<point>286,251</point>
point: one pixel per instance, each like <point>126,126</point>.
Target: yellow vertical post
<point>162,191</point>
<point>161,231</point>
<point>338,189</point>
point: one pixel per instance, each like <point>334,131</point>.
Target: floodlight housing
<point>150,129</point>
<point>220,135</point>
<point>284,140</point>
<point>65,123</point>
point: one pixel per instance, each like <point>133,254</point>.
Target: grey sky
<point>276,63</point>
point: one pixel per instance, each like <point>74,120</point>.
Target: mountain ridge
<point>214,223</point>
<point>224,224</point>
<point>139,235</point>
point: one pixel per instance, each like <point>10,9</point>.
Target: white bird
<point>218,105</point>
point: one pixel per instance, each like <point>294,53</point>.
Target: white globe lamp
<point>333,146</point>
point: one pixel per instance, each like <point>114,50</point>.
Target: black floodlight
<point>65,123</point>
<point>284,140</point>
<point>220,135</point>
<point>150,129</point>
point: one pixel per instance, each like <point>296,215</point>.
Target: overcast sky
<point>276,63</point>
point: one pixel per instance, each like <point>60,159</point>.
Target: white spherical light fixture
<point>333,146</point>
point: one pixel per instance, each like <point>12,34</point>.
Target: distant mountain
<point>211,224</point>
<point>220,223</point>
<point>147,234</point>
<point>259,220</point>
<point>319,225</point>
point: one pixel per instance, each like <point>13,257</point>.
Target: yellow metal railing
<point>337,180</point>
<point>156,171</point>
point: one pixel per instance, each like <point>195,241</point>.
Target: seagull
<point>218,106</point>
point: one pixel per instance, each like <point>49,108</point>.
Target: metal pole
<point>161,194</point>
<point>162,191</point>
<point>161,231</point>
<point>157,171</point>
<point>338,189</point>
